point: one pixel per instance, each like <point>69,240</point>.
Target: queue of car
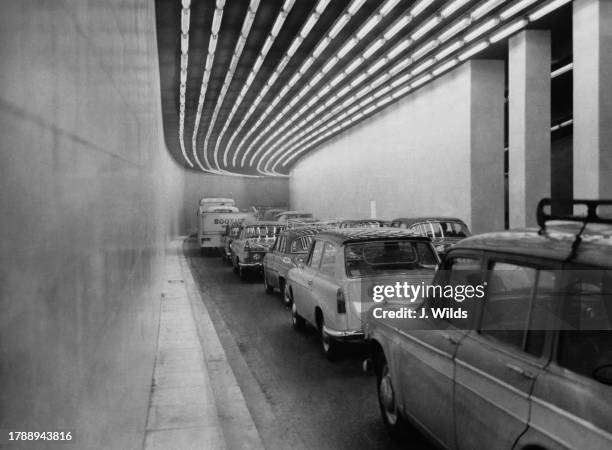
<point>528,366</point>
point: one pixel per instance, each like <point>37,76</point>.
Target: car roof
<point>554,243</point>
<point>257,223</point>
<point>411,220</point>
<point>349,221</point>
<point>347,235</point>
<point>286,213</point>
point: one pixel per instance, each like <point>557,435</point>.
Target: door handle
<point>453,340</point>
<point>520,371</point>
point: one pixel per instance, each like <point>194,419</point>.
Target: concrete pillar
<point>528,124</point>
<point>592,49</point>
<point>487,145</point>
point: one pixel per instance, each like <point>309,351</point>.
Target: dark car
<point>290,248</point>
<point>443,231</point>
<point>529,365</point>
<point>254,240</point>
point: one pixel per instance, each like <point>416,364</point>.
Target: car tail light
<point>340,302</point>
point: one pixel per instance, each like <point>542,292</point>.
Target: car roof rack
<point>590,217</point>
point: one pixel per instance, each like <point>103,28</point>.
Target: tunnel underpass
<point>117,118</point>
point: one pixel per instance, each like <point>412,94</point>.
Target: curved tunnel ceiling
<point>250,86</point>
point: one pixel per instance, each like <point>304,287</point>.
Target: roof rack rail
<point>591,216</point>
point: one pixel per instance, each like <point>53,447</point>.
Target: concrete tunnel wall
<point>439,151</point>
<point>90,197</point>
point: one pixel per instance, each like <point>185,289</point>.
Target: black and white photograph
<point>306,224</point>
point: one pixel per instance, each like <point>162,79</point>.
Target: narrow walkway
<point>184,409</point>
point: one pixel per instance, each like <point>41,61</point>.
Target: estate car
<point>289,250</point>
<point>332,287</point>
<point>254,240</point>
<point>531,365</point>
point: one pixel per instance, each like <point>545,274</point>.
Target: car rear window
<point>301,244</point>
<point>262,231</point>
<point>374,258</point>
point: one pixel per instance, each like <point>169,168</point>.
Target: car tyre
<point>242,272</point>
<point>281,287</point>
<point>329,345</point>
<point>387,401</point>
<point>269,289</point>
<point>298,322</point>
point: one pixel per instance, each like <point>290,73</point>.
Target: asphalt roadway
<point>297,398</point>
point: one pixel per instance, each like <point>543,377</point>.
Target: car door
<point>325,286</point>
<point>570,403</point>
<point>427,354</point>
<point>497,364</point>
<point>302,281</point>
<point>272,260</point>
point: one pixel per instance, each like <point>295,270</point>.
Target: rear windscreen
<point>387,257</point>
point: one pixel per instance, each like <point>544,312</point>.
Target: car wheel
<point>328,344</point>
<point>298,322</point>
<point>242,272</point>
<point>387,400</point>
<point>281,287</point>
<point>269,289</point>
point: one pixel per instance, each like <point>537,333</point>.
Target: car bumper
<point>253,265</point>
<point>344,335</point>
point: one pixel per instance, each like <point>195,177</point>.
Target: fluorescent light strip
<point>185,24</point>
<point>485,8</point>
<point>481,29</point>
<point>471,35</point>
<point>244,32</point>
<point>512,10</point>
<point>452,7</point>
<point>280,19</point>
<point>544,10</point>
<point>212,46</point>
<point>508,30</point>
<point>363,30</point>
<point>319,49</point>
<point>404,44</point>
<point>562,70</point>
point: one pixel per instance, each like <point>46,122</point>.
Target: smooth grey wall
<point>439,151</point>
<point>89,198</point>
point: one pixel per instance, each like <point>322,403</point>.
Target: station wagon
<point>329,290</point>
<point>532,366</point>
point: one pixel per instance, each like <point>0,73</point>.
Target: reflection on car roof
<point>292,233</point>
<point>346,235</point>
<point>411,220</point>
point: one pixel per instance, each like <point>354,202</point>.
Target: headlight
<point>256,256</point>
